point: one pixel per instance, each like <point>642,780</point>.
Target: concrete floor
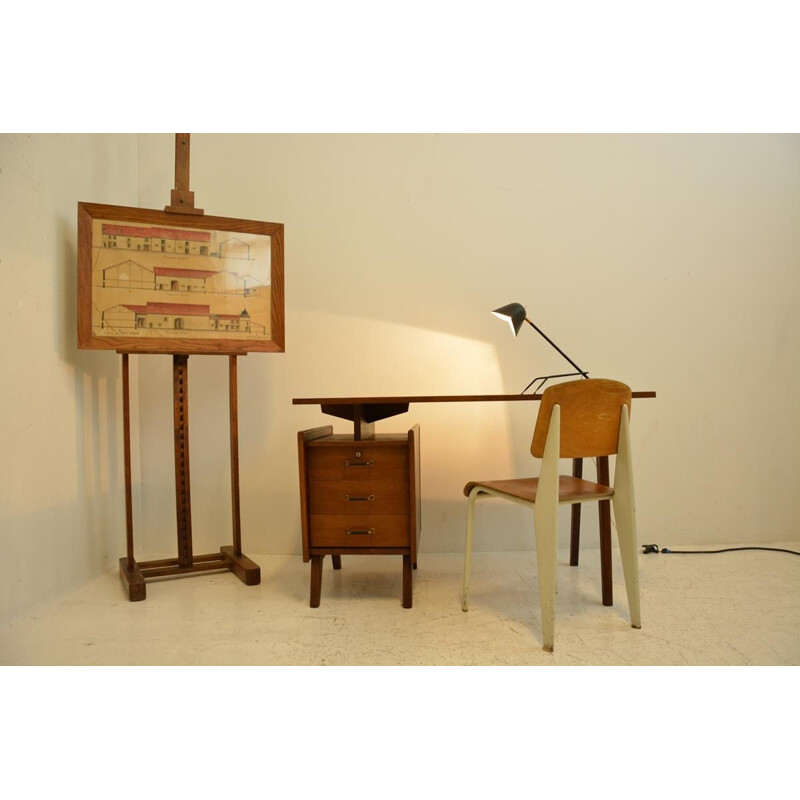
<point>739,608</point>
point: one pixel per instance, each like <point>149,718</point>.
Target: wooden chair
<point>579,419</point>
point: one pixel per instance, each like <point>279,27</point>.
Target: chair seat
<point>570,490</point>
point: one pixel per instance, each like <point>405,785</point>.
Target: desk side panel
<point>302,438</point>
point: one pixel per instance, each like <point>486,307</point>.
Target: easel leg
<point>133,580</point>
<point>233,395</point>
<point>128,569</point>
<point>245,570</point>
<point>133,574</point>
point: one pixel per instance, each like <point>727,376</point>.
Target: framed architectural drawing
<point>158,282</point>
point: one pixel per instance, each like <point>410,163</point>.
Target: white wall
<point>62,513</point>
<point>671,262</point>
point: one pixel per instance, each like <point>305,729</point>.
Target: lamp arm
<point>548,339</point>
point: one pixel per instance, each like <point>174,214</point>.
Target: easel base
<point>135,576</point>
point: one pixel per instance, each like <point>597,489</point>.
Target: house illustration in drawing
<point>155,239</point>
<point>234,248</point>
<point>182,280</point>
<point>132,275</point>
<point>227,282</point>
<point>172,317</point>
<point>127,275</point>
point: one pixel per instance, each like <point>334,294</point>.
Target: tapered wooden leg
<point>337,562</point>
<point>575,530</point>
<point>316,580</point>
<point>407,581</point>
<point>604,510</point>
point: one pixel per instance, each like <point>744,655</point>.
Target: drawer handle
<point>359,499</point>
<point>358,463</point>
<point>369,532</point>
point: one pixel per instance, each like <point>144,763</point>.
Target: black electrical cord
<point>653,548</point>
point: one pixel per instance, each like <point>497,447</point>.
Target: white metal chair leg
<point>545,520</point>
<point>546,557</point>
<point>625,514</point>
<point>473,496</point>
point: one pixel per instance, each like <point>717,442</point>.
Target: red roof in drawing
<point>177,272</point>
<point>156,233</point>
<point>169,309</point>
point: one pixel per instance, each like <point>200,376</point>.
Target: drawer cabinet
<point>358,498</point>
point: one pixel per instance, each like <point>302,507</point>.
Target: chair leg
<point>473,496</point>
<point>546,523</point>
<point>545,520</point>
<point>625,514</point>
<point>575,514</point>
<point>604,515</point>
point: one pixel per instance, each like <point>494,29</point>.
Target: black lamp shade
<point>514,314</point>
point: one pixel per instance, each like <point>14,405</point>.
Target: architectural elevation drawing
<point>157,281</point>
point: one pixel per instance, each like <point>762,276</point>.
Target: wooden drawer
<point>359,531</point>
<point>358,497</point>
<point>354,462</point>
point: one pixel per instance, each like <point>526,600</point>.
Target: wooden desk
<point>364,412</point>
<point>359,498</point>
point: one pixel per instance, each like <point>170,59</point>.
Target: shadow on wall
<point>54,546</point>
<point>99,475</point>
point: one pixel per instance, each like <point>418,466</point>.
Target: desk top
<point>436,398</point>
<point>365,411</point>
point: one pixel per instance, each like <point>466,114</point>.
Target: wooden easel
<point>134,574</point>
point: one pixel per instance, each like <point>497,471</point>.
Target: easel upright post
<point>234,416</point>
<point>126,425</point>
<point>183,500</point>
<point>182,198</point>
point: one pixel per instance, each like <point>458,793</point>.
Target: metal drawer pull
<point>369,532</point>
<point>358,499</point>
<point>358,463</point>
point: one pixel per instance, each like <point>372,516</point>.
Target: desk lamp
<point>514,314</point>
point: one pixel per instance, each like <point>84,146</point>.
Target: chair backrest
<point>590,417</point>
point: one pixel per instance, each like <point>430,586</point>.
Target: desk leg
<point>337,562</point>
<point>316,580</point>
<point>575,532</point>
<point>407,578</point>
<point>604,510</point>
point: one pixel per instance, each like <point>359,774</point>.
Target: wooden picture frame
<point>161,282</point>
